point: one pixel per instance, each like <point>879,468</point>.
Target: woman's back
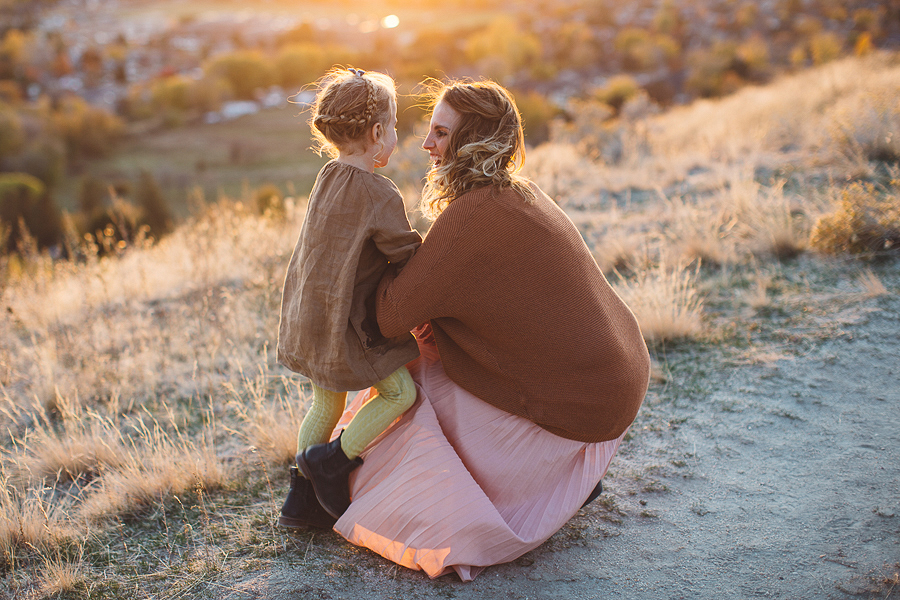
<point>523,317</point>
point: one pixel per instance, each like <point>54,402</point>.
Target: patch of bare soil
<point>773,478</point>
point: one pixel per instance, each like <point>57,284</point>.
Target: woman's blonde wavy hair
<point>348,103</point>
<point>487,147</point>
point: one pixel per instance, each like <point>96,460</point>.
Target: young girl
<point>355,226</point>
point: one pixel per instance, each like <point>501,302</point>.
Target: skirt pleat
<point>456,484</point>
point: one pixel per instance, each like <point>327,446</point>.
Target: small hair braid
<point>354,120</point>
<point>371,102</point>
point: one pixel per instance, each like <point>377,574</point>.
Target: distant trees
<point>502,49</point>
<point>643,50</point>
<point>727,66</point>
<point>244,70</point>
<point>42,139</point>
<point>298,64</point>
<point>88,131</point>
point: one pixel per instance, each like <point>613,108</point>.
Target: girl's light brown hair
<point>348,103</point>
<point>487,147</point>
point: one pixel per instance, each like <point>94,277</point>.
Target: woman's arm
<point>431,285</point>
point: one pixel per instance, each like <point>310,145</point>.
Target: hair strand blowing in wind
<point>487,147</point>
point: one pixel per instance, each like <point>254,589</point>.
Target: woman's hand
<point>424,333</point>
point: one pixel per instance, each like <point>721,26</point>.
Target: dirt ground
<point>777,478</point>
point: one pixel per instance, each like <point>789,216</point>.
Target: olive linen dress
<point>355,226</point>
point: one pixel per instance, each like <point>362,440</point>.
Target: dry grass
<point>158,465</point>
<point>699,232</point>
<point>207,295</point>
<point>871,284</point>
<point>758,296</point>
<point>30,521</point>
<point>130,381</point>
<point>59,577</point>
<point>665,302</point>
<point>268,419</point>
<point>845,108</point>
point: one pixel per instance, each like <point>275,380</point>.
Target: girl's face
<point>444,120</point>
<point>387,142</point>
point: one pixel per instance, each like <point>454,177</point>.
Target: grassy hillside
<point>149,428</point>
<point>269,147</point>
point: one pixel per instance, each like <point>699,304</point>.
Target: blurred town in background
<point>85,84</point>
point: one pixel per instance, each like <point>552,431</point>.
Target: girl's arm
<point>392,234</point>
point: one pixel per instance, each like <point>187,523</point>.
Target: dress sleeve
<point>392,233</point>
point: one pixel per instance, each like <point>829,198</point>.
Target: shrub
<point>245,71</point>
<point>88,132</point>
<point>26,208</point>
<point>269,200</point>
<point>754,59</point>
<point>43,156</point>
<point>537,112</point>
<point>824,47</point>
<point>11,134</point>
<point>617,91</point>
<point>113,228</point>
<point>299,64</point>
<point>92,195</point>
<point>865,221</point>
<point>155,208</point>
<point>711,71</point>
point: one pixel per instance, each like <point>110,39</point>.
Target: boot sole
<point>292,523</point>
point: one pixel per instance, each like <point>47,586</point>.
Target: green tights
<point>396,393</point>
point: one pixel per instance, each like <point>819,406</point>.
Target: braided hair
<point>348,104</point>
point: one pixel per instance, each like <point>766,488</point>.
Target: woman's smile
<point>444,120</point>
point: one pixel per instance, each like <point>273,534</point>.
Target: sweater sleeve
<point>428,286</point>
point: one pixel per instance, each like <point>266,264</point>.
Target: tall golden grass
<point>130,379</point>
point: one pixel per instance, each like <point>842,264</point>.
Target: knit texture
<point>522,316</point>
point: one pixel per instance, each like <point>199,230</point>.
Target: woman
<point>531,368</point>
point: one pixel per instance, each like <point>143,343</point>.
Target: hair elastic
<point>357,72</point>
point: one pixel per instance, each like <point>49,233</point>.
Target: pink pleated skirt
<point>456,484</point>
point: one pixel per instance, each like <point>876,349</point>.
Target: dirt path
<point>782,482</point>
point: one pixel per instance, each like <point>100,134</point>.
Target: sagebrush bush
<point>866,220</point>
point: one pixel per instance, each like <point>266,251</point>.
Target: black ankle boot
<point>594,494</point>
<point>301,509</point>
<point>328,470</point>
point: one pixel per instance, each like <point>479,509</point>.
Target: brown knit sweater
<point>522,316</point>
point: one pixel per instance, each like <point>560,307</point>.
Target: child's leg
<point>322,417</point>
<point>396,394</point>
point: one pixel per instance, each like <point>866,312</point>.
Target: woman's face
<point>444,120</point>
